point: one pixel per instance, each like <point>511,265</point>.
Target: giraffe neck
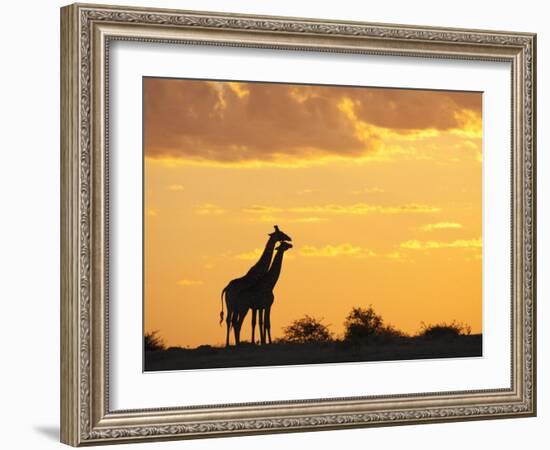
<point>262,266</point>
<point>272,276</point>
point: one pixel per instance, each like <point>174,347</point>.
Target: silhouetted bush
<point>444,330</point>
<point>362,324</point>
<point>307,330</point>
<point>389,334</point>
<point>153,342</point>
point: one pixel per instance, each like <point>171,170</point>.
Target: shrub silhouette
<point>362,324</point>
<point>444,330</point>
<point>151,341</point>
<point>388,333</point>
<point>307,330</point>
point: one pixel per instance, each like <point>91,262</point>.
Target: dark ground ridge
<point>282,354</point>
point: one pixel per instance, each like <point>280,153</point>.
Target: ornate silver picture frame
<point>87,33</point>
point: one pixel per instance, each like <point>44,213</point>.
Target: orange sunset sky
<point>380,190</point>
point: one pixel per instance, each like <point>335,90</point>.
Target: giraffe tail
<point>221,312</point>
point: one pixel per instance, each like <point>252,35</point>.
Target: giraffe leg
<point>240,320</point>
<point>254,311</point>
<point>238,327</point>
<point>235,324</point>
<point>228,325</point>
<point>262,327</point>
<point>267,321</point>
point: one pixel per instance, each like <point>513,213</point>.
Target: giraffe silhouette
<point>235,287</point>
<point>259,297</point>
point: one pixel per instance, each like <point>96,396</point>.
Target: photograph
<point>291,223</point>
<point>288,223</point>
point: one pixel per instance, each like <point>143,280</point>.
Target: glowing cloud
<point>335,250</point>
<point>249,256</point>
<point>368,190</point>
<point>209,209</point>
<point>260,209</point>
<point>365,208</point>
<point>398,257</point>
<point>309,220</point>
<point>205,122</point>
<point>429,245</point>
<point>265,213</point>
<point>440,226</point>
<point>267,218</point>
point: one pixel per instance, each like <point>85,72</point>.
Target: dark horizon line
<point>222,345</point>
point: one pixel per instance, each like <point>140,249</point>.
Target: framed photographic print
<point>276,224</point>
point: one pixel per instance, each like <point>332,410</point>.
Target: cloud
<point>399,257</point>
<point>429,245</point>
<point>255,254</point>
<point>368,190</point>
<point>309,220</point>
<point>416,109</point>
<point>471,124</point>
<point>209,209</point>
<point>318,213</point>
<point>440,226</point>
<point>365,208</point>
<point>335,250</point>
<point>283,219</point>
<point>198,121</point>
<point>210,121</point>
<point>260,209</point>
<point>187,282</point>
<point>394,255</point>
<point>249,256</point>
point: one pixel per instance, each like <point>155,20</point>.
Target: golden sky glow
<point>380,190</point>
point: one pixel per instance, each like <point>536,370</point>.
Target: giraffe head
<point>284,246</point>
<point>279,236</point>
